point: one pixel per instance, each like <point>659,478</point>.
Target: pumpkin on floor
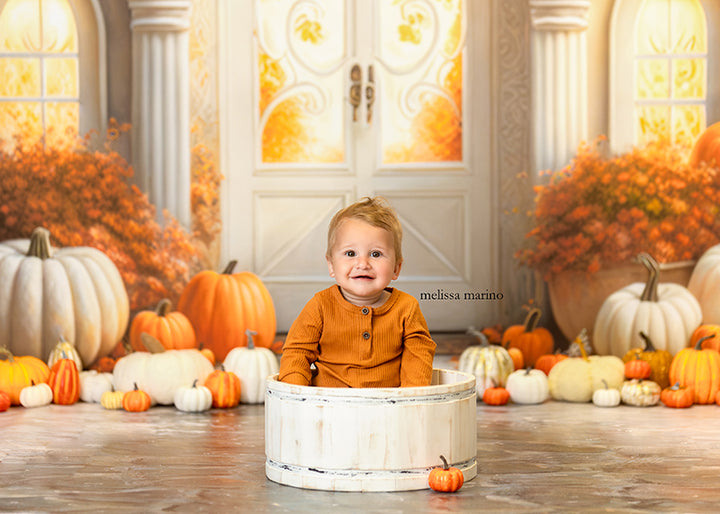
<point>36,395</point>
<point>659,360</point>
<point>640,393</point>
<point>225,388</point>
<point>76,292</point>
<point>161,372</point>
<point>196,398</point>
<point>17,373</point>
<point>575,379</point>
<point>252,365</point>
<point>699,369</point>
<point>136,400</point>
<point>64,380</point>
<point>531,340</point>
<point>606,396</point>
<point>496,395</point>
<point>678,397</point>
<point>112,400</point>
<point>5,401</point>
<point>528,386</point>
<point>491,364</point>
<point>172,329</point>
<point>221,306</point>
<point>667,313</point>
<point>93,385</point>
<point>445,479</point>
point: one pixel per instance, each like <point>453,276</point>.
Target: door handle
<point>370,93</point>
<point>355,89</point>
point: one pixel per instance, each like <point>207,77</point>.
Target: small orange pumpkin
<point>517,357</point>
<point>707,330</point>
<point>64,380</point>
<point>225,388</point>
<point>699,369</point>
<point>677,396</point>
<point>17,373</point>
<point>531,340</point>
<point>497,395</point>
<point>172,329</point>
<point>445,479</point>
<point>637,368</point>
<point>221,306</point>
<point>136,400</point>
<point>546,362</point>
<point>5,401</point>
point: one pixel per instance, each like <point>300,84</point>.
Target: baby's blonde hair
<point>375,211</point>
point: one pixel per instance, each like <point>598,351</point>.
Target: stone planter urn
<point>576,296</point>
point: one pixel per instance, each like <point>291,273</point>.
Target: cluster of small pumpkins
<point>654,342</point>
<point>70,306</point>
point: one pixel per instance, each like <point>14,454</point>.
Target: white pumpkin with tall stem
<point>252,365</point>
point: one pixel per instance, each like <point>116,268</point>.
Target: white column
<point>559,80</point>
<point>161,103</point>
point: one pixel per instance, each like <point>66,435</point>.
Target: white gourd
<point>528,386</point>
<point>252,365</point>
<point>606,397</point>
<point>667,313</point>
<point>196,398</point>
<point>36,395</point>
<point>94,384</point>
<point>640,393</point>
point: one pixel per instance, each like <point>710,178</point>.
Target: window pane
<point>653,123</point>
<point>62,119</point>
<point>20,27</point>
<point>689,79</point>
<point>20,77</point>
<point>652,32</point>
<point>421,50</point>
<point>62,77</point>
<point>688,123</point>
<point>688,28</point>
<point>19,118</point>
<point>653,79</point>
<point>301,81</point>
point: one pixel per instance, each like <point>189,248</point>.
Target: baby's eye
<point>375,254</point>
<point>350,253</point>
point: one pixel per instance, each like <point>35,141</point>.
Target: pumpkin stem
<point>583,353</point>
<point>151,343</point>
<point>531,320</point>
<point>135,386</point>
<point>605,383</point>
<point>6,354</point>
<point>163,307</point>
<point>229,268</point>
<point>649,294</point>
<point>250,333</point>
<point>528,370</point>
<point>676,387</point>
<point>698,345</point>
<point>40,244</point>
<point>649,347</point>
<point>195,383</point>
<point>445,463</point>
<point>484,341</point>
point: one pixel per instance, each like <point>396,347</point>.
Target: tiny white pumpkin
<point>36,395</point>
<point>528,386</point>
<point>668,313</point>
<point>94,384</point>
<point>252,365</point>
<point>65,350</point>
<point>640,393</point>
<point>491,364</point>
<point>196,398</point>
<point>606,397</point>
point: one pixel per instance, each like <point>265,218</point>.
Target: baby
<point>360,332</point>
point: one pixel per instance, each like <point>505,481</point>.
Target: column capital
<point>559,15</point>
<point>160,15</point>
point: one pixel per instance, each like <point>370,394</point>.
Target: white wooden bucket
<point>369,439</point>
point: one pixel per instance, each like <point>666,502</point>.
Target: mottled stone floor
<point>554,457</point>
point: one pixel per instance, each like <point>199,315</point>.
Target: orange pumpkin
<point>224,387</point>
<point>531,340</point>
<point>222,306</point>
<point>517,357</point>
<point>497,395</point>
<point>208,353</point>
<point>707,147</point>
<point>172,329</point>
<point>699,369</point>
<point>707,330</point>
<point>136,400</point>
<point>64,380</point>
<point>546,362</point>
<point>5,401</point>
<point>17,373</point>
<point>678,397</point>
<point>637,368</point>
<point>445,479</point>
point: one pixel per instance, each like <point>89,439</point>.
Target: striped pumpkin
<point>697,368</point>
<point>490,363</point>
<point>64,381</point>
<point>224,387</point>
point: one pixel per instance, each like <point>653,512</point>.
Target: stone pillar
<point>161,103</point>
<point>559,79</point>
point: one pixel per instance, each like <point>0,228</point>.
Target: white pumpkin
<point>45,293</point>
<point>160,374</point>
<point>196,398</point>
<point>491,364</point>
<point>705,283</point>
<point>528,386</point>
<point>252,365</point>
<point>65,350</point>
<point>640,393</point>
<point>667,313</point>
<point>606,397</point>
<point>93,385</point>
<point>576,379</point>
<point>36,395</point>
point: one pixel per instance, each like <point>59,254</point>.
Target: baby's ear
<point>396,271</point>
<point>330,267</point>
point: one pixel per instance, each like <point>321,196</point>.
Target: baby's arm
<point>416,364</point>
<point>301,347</point>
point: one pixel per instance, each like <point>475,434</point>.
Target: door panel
<point>316,143</point>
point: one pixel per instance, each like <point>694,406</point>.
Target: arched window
<point>52,69</point>
<point>662,54</point>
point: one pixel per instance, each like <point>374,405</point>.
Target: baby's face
<point>362,262</point>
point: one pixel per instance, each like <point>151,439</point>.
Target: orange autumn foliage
<point>85,198</point>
